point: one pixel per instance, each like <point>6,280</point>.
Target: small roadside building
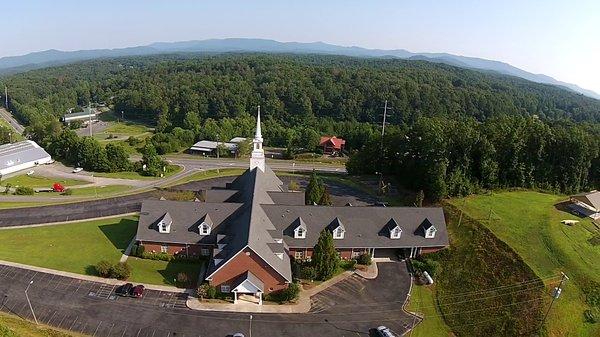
<point>332,145</point>
<point>586,204</point>
<point>85,116</point>
<point>20,156</point>
<point>209,147</point>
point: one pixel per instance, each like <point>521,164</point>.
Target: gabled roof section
<point>166,218</point>
<point>299,223</point>
<point>591,199</point>
<point>392,224</point>
<point>207,220</point>
<point>248,282</point>
<point>335,224</point>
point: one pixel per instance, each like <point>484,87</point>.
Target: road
<point>201,163</point>
<point>11,120</point>
<point>352,307</point>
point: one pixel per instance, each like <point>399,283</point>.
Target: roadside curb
<point>109,281</point>
<point>70,221</point>
<point>370,274</point>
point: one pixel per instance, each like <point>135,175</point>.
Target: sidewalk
<point>301,306</point>
<point>371,272</point>
<point>110,281</point>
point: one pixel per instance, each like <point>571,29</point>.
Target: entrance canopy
<point>248,283</point>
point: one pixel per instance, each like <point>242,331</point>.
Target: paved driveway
<point>350,308</point>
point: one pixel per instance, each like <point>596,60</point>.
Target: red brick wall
<point>345,253</point>
<point>253,263</point>
<point>175,248</point>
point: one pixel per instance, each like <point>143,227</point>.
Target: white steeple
<point>258,154</point>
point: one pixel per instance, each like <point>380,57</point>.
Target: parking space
<point>352,307</point>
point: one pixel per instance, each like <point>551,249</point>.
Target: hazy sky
<point>553,37</point>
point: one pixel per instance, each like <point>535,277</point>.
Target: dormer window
<point>204,229</point>
<point>338,233</point>
<point>164,224</point>
<point>430,232</point>
<point>396,232</point>
<point>205,226</point>
<point>299,233</point>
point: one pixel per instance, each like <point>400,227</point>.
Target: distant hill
<point>14,64</point>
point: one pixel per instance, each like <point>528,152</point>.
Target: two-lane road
<point>11,121</point>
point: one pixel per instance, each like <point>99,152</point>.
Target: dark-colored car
<point>137,291</point>
<point>124,290</point>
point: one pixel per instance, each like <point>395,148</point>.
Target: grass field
<point>13,326</point>
<point>203,175</point>
<point>35,181</point>
<point>100,190</point>
<point>530,223</point>
<point>72,247</point>
<point>17,204</point>
<point>161,272</point>
<point>433,325</point>
<point>171,170</point>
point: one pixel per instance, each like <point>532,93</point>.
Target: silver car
<point>384,332</point>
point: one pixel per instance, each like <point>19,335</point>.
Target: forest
<point>451,130</point>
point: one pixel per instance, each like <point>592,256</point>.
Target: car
<point>77,170</point>
<point>124,290</point>
<point>384,332</point>
<point>137,291</point>
<point>237,334</point>
<point>30,173</point>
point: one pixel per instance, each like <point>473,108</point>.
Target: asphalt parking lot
<point>352,307</point>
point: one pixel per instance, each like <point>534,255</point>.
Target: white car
<point>384,332</point>
<point>30,173</point>
<point>77,170</point>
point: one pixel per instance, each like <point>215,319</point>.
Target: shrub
<point>364,259</point>
<point>428,265</point>
<point>308,273</point>
<point>288,294</point>
<point>68,191</point>
<point>347,264</point>
<point>183,279</point>
<point>103,268</point>
<point>206,291</point>
<point>139,250</point>
<point>157,256</point>
<point>294,186</point>
<point>24,190</point>
<point>592,315</point>
<point>120,271</point>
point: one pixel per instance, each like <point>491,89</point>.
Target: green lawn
<point>127,128</point>
<point>99,190</point>
<point>161,272</point>
<point>530,223</point>
<point>36,181</point>
<point>17,204</point>
<point>72,247</point>
<point>203,175</point>
<point>14,326</point>
<point>433,325</point>
<point>171,170</point>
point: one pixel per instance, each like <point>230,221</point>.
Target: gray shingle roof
<point>592,198</point>
<point>248,276</point>
<point>366,227</point>
<point>186,216</point>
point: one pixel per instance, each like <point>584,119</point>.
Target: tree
<point>419,198</point>
<point>314,190</point>
<point>325,198</point>
<point>244,149</point>
<point>325,258</point>
<point>152,161</point>
<point>117,157</point>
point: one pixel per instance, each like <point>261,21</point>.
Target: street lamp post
<point>250,330</point>
<point>29,302</point>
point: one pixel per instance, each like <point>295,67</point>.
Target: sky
<point>559,38</point>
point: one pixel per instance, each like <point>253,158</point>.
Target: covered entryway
<point>385,253</point>
<point>248,288</point>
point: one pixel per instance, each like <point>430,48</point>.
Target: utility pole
<point>217,146</point>
<point>555,295</point>
<point>29,302</point>
<point>122,118</point>
<point>6,97</point>
<point>385,109</point>
<point>90,118</point>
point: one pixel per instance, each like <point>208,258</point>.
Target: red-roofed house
<point>332,145</point>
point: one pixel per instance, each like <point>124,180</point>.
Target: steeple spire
<point>258,154</point>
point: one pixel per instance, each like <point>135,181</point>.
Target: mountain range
<point>14,64</point>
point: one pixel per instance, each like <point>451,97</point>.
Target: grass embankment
<point>162,272</point>
<point>13,326</point>
<point>171,170</point>
<point>530,223</point>
<point>36,181</point>
<point>433,325</point>
<point>72,247</point>
<point>203,175</point>
<point>99,190</point>
<point>480,289</point>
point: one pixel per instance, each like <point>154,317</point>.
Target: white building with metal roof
<point>20,156</point>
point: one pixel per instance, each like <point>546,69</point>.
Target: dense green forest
<point>452,130</point>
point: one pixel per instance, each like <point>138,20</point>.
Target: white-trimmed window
<point>299,233</point>
<point>396,232</point>
<point>338,233</point>
<point>225,288</point>
<point>430,232</point>
<point>356,253</point>
<point>204,228</point>
<point>204,251</point>
<point>298,255</point>
<point>164,248</point>
<point>164,227</point>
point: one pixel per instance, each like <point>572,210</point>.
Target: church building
<point>251,230</point>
